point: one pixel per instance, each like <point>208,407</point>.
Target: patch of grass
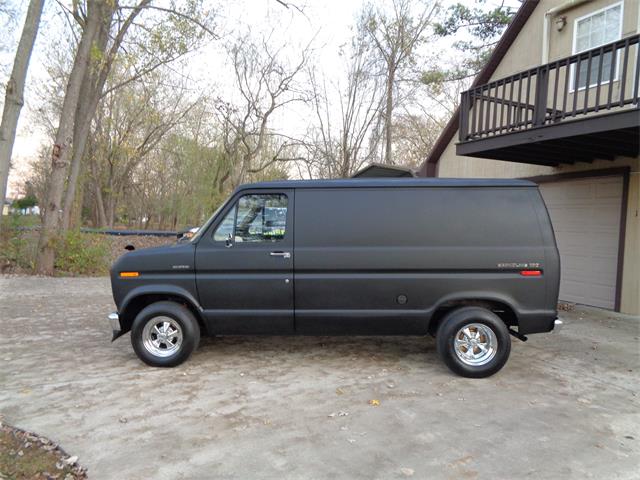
<point>27,456</point>
<point>25,220</point>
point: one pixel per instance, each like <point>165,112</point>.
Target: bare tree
<point>14,95</point>
<point>340,146</point>
<point>5,8</point>
<point>7,20</point>
<point>396,36</point>
<point>415,135</point>
<point>265,84</point>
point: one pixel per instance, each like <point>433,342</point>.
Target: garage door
<point>586,218</point>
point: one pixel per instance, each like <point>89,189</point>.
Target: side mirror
<point>187,234</point>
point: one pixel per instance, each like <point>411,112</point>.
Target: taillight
<point>530,273</point>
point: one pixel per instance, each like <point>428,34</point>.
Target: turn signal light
<point>129,274</point>
<point>530,273</point>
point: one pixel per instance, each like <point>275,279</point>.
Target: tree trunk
<point>14,96</point>
<point>388,116</point>
<point>61,153</point>
<point>102,215</point>
<point>112,201</point>
<point>80,134</point>
<point>79,203</point>
<point>90,93</point>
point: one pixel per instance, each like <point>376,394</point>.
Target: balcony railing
<point>589,83</point>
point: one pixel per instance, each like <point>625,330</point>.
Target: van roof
<point>391,182</point>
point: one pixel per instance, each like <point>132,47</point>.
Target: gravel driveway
<point>565,406</point>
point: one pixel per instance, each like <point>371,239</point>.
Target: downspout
<point>547,24</point>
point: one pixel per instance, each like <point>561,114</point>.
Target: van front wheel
<point>165,334</point>
<point>473,342</point>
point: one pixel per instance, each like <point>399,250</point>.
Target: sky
<point>326,24</point>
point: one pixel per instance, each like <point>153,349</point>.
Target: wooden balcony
<point>575,109</point>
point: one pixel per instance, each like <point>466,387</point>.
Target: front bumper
<point>557,325</point>
<point>114,320</point>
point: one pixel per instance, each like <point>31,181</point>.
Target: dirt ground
<point>565,406</point>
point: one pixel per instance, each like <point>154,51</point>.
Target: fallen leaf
<point>339,414</point>
<point>374,403</point>
<point>407,472</point>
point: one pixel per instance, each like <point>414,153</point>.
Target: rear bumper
<point>540,321</point>
<point>114,320</point>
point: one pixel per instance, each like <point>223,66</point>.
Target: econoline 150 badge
<point>519,265</point>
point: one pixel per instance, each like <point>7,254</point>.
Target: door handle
<point>280,254</point>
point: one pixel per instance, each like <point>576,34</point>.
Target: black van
<point>469,261</point>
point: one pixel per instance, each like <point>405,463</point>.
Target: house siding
<point>525,53</point>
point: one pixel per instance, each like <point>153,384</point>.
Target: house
<point>383,171</point>
<point>558,102</point>
<point>35,210</point>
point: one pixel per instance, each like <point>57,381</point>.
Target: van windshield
<point>204,226</point>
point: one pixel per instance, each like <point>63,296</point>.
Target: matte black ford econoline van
<point>469,261</point>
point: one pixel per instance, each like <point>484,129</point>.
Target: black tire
<point>454,322</point>
<point>182,316</point>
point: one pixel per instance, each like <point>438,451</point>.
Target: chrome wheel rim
<point>162,336</point>
<point>475,344</point>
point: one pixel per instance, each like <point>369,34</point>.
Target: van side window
<point>225,229</point>
<point>259,218</point>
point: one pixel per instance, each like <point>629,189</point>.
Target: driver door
<point>244,265</point>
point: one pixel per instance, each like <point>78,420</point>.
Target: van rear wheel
<point>165,334</point>
<point>473,342</point>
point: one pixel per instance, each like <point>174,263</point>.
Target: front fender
<point>158,289</point>
<point>141,296</point>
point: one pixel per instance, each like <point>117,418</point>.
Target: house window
<point>591,31</point>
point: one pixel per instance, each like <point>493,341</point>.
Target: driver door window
<point>255,218</point>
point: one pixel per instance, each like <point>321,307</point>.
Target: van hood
<point>163,259</point>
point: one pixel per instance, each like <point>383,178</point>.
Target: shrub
<point>17,247</point>
<point>25,202</point>
<point>83,254</point>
